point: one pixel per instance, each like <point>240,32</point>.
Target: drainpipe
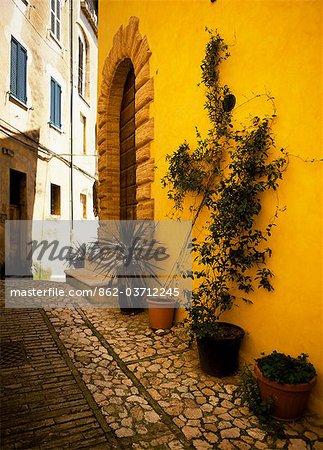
<point>71,111</point>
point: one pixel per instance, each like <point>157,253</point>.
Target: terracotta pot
<point>290,400</point>
<point>161,313</point>
<point>220,356</point>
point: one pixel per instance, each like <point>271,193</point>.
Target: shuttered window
<point>81,68</point>
<point>18,71</point>
<point>55,103</point>
<point>55,18</point>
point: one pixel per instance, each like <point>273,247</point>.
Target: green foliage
<point>228,171</point>
<point>286,370</point>
<point>39,272</point>
<point>249,392</point>
<point>77,254</point>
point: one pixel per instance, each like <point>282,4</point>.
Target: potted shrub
<point>287,381</point>
<point>226,175</point>
<point>119,256</point>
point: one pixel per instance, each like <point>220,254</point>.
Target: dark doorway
<point>17,210</point>
<point>128,150</point>
<point>16,255</point>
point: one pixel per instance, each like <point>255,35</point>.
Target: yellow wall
<point>275,46</point>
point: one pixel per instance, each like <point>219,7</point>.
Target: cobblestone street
<point>95,378</point>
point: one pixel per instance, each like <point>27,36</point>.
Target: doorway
<point>17,202</point>
<point>128,201</point>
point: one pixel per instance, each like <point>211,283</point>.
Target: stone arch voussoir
<point>129,47</point>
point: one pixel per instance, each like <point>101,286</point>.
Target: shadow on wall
<point>18,168</point>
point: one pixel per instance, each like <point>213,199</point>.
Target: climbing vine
<point>226,174</point>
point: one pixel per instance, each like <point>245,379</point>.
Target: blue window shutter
<point>52,100</point>
<point>55,103</point>
<point>13,67</point>
<point>18,71</point>
<point>22,74</point>
<point>59,106</point>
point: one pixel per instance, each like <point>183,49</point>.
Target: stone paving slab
<point>200,411</point>
<point>132,339</point>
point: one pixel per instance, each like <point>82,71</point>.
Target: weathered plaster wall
<point>47,58</point>
<point>276,46</point>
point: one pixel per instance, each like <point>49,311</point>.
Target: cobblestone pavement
<point>44,402</point>
<point>95,378</point>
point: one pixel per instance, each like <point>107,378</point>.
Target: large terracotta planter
<point>219,356</point>
<point>290,400</point>
<point>161,313</point>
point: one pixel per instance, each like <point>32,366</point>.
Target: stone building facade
<point>48,105</point>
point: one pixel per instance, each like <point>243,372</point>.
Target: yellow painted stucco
<point>276,47</point>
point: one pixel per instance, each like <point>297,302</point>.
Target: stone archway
<point>129,48</point>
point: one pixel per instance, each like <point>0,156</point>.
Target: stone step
<point>90,282</point>
<point>90,265</point>
<point>88,277</point>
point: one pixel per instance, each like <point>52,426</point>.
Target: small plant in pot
<point>161,312</point>
<point>226,175</point>
<point>287,381</point>
<point>120,257</point>
<point>77,255</point>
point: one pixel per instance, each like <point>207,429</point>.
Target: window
<point>55,18</point>
<point>18,71</point>
<point>83,202</point>
<point>81,71</point>
<point>83,82</point>
<point>55,199</point>
<point>55,103</point>
<point>83,137</point>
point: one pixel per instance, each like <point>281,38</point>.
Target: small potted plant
<point>77,255</point>
<point>287,381</point>
<point>171,292</point>
<point>161,312</point>
<point>120,257</point>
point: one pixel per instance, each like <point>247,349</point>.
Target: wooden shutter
<point>55,103</point>
<point>58,105</point>
<point>81,68</point>
<point>52,100</point>
<point>13,67</point>
<point>22,74</point>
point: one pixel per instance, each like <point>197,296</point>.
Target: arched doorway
<point>126,130</point>
<point>128,198</point>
